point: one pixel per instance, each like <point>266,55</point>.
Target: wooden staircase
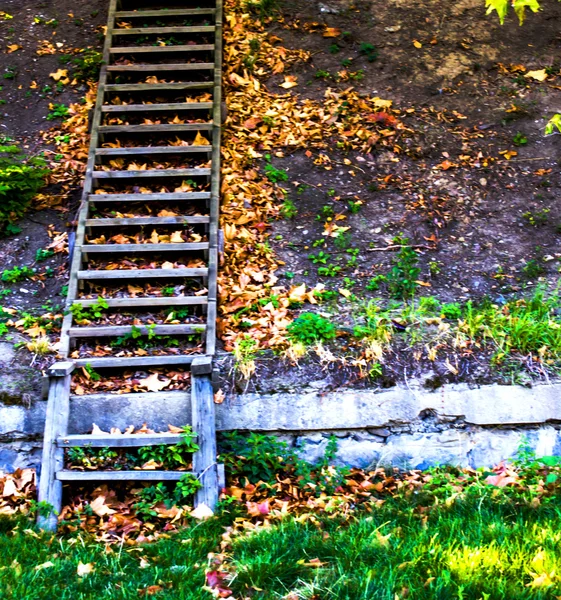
<point>147,233</point>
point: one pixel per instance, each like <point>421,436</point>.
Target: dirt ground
<point>476,217</point>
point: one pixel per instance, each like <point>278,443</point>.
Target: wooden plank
<point>164,12</point>
<point>153,173</point>
<point>50,490</point>
<point>61,369</point>
<point>164,128</point>
<point>171,106</point>
<point>154,398</point>
<point>152,150</point>
<point>202,365</point>
<point>148,221</point>
<point>161,49</point>
<point>164,197</point>
<point>164,29</point>
<point>135,361</point>
<point>130,248</point>
<point>140,475</point>
<point>152,67</point>
<point>204,461</point>
<point>155,87</point>
<point>142,302</point>
<point>118,330</point>
<point>107,440</point>
<point>141,273</point>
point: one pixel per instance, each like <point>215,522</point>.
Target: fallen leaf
<point>84,569</point>
<point>290,81</point>
<point>331,32</point>
<point>417,44</point>
<point>100,508</point>
<point>540,75</point>
<point>154,383</point>
<point>13,48</point>
<point>200,140</point>
<point>202,512</point>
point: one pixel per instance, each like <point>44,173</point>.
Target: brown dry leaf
<point>151,590</point>
<point>290,81</point>
<point>200,140</point>
<point>60,75</point>
<point>100,508</point>
<point>331,32</point>
<point>153,383</point>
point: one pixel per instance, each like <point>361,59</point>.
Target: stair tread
<point>118,440</point>
<point>109,108</point>
<point>161,49</point>
<point>130,248</point>
<point>150,173</point>
<point>160,196</point>
<point>163,128</point>
<point>164,29</point>
<point>140,475</point>
<point>118,330</point>
<point>170,12</point>
<point>116,222</point>
<point>152,150</point>
<point>140,302</point>
<point>135,361</point>
<point>141,273</point>
<point>147,87</point>
<point>151,67</point>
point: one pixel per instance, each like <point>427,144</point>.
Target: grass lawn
<point>483,543</point>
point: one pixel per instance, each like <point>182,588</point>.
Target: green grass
<point>478,549</point>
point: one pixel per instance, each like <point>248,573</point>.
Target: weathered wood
<point>129,248</point>
<point>163,128</point>
<point>154,398</point>
<point>107,440</point>
<point>151,67</point>
<point>162,49</point>
<point>201,365</point>
<point>61,369</point>
<point>136,221</point>
<point>152,173</point>
<point>56,422</point>
<point>169,29</point>
<point>142,302</point>
<point>168,12</point>
<point>152,150</point>
<point>142,273</point>
<point>151,87</point>
<point>204,461</point>
<point>118,330</point>
<point>135,361</point>
<point>163,197</point>
<point>140,475</point>
<point>156,106</point>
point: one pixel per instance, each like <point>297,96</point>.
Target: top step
<point>173,12</point>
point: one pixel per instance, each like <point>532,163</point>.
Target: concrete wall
<point>405,426</point>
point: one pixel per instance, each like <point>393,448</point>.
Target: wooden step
<point>151,150</point>
<point>165,128</point>
<point>151,67</point>
<point>141,273</point>
<point>152,173</point>
<point>158,87</point>
<point>143,302</point>
<point>164,29</point>
<point>161,49</point>
<point>166,12</point>
<point>120,330</point>
<point>131,248</point>
<point>169,106</point>
<point>146,221</point>
<point>159,197</point>
<point>118,440</point>
<point>111,362</point>
<point>140,475</point>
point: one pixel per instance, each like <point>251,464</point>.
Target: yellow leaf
<point>45,565</point>
<point>60,74</point>
<point>379,103</point>
<point>200,140</point>
<point>153,383</point>
<point>13,48</point>
<point>84,569</point>
<point>290,81</point>
<point>176,238</point>
<point>417,44</point>
<point>331,32</point>
<point>345,293</point>
<point>540,75</point>
<point>100,509</point>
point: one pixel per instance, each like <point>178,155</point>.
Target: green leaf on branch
<point>554,122</point>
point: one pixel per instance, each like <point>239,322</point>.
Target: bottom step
<point>67,475</point>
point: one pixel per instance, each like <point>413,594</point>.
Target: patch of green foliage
<point>58,111</point>
<point>369,51</point>
<point>402,277</point>
<point>17,274</point>
<point>310,328</point>
<point>21,178</point>
<point>83,313</point>
<point>273,174</point>
<point>87,65</point>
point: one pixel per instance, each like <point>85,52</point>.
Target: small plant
<point>553,124</point>
<point>273,174</point>
<point>17,274</point>
<point>96,311</point>
<point>91,373</point>
<point>533,268</point>
<point>326,212</point>
<point>538,218</point>
<point>369,51</point>
<point>374,284</point>
<point>320,258</point>
<point>342,240</point>
<point>168,290</point>
<point>10,73</point>
<point>402,277</point>
<point>451,310</point>
<point>334,49</point>
<point>58,111</point>
<point>288,209</point>
<point>354,207</point>
<point>42,254</point>
<point>87,65</point>
<point>519,139</point>
<point>322,74</point>
<point>310,328</point>
<point>245,353</point>
<point>329,271</point>
<point>434,268</point>
<point>326,295</point>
